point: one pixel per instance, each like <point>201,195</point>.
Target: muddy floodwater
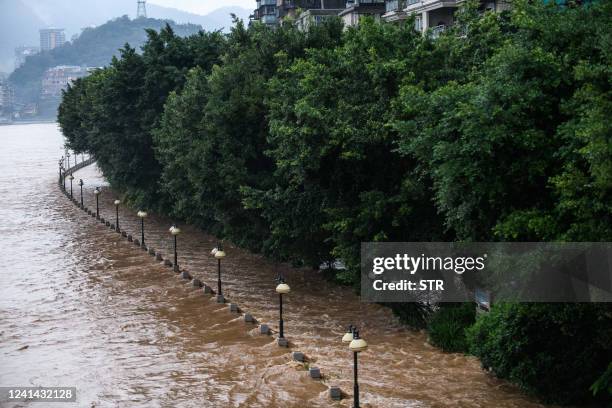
<point>81,307</point>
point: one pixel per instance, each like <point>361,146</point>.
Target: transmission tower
<point>142,9</point>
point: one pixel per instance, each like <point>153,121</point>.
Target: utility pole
<point>142,9</point>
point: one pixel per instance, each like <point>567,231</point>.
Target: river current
<point>82,307</point>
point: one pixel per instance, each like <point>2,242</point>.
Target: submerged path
<point>80,306</point>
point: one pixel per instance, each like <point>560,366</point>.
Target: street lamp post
<point>97,194</point>
<point>174,230</point>
<point>356,345</point>
<point>219,254</point>
<point>61,166</point>
<point>117,202</point>
<point>282,289</point>
<point>81,185</point>
<point>142,215</point>
<point>70,177</point>
<point>68,158</point>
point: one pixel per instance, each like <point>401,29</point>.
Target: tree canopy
<point>303,144</point>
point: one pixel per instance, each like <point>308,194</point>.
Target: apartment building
<point>57,79</point>
<point>355,9</point>
<point>266,12</point>
<point>51,38</point>
<point>6,100</point>
<point>314,17</point>
<point>313,12</point>
<point>434,15</point>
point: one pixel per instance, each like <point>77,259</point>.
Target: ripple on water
<point>100,314</point>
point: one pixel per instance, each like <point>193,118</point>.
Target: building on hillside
<point>57,79</point>
<point>394,11</point>
<point>305,13</point>
<point>23,52</point>
<point>266,12</point>
<point>314,17</point>
<point>292,8</point>
<point>26,111</point>
<point>6,100</point>
<point>54,81</point>
<point>51,38</point>
<point>355,9</point>
<point>434,15</point>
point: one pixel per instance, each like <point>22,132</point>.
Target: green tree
<point>339,180</point>
<point>555,351</point>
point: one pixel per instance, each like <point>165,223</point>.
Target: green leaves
<point>555,351</point>
<point>303,145</point>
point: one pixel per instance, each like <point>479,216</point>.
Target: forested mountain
<point>20,20</point>
<point>95,47</point>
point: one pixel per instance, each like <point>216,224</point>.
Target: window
<point>418,23</point>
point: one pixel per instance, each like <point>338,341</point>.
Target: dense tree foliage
<point>121,105</point>
<point>224,152</point>
<point>520,151</point>
<point>302,145</point>
<point>447,325</point>
<point>555,351</point>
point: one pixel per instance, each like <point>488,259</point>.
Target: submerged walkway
<point>399,369</point>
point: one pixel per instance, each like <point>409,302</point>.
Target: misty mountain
<point>18,26</point>
<point>20,20</point>
<point>95,47</point>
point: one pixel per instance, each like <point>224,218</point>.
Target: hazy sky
<point>203,6</point>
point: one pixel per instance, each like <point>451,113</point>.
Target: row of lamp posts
<point>356,343</point>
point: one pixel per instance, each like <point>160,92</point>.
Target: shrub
<point>447,326</point>
<point>412,314</point>
<point>554,351</point>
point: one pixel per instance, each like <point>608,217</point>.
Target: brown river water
<point>80,306</point>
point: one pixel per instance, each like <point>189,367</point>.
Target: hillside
<point>93,48</point>
<point>20,20</point>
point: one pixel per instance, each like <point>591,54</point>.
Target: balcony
<point>437,30</point>
<point>268,3</point>
<point>269,19</point>
<point>394,5</point>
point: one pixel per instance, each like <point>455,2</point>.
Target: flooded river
<point>82,307</point>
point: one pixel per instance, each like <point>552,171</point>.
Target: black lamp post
<point>81,185</point>
<point>174,230</point>
<point>117,202</point>
<point>219,254</point>
<point>142,215</point>
<point>61,166</point>
<point>356,345</point>
<point>70,177</point>
<point>97,194</point>
<point>282,289</point>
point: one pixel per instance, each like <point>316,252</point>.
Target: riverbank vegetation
<point>302,145</point>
